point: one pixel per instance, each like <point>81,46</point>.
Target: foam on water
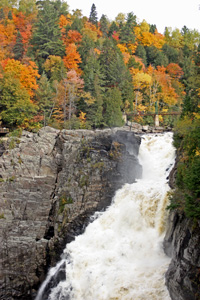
<point>120,255</point>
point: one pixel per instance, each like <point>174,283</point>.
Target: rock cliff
<point>182,244</point>
<point>50,184</point>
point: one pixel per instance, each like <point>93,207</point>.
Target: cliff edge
<point>51,182</point>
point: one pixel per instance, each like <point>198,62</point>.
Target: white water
<point>120,255</point>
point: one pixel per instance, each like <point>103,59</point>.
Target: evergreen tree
<point>27,6</point>
<point>104,25</point>
<point>184,30</point>
<point>153,28</point>
<point>92,70</point>
<point>93,83</point>
<point>86,45</point>
<point>97,107</point>
<point>18,48</point>
<point>10,15</point>
<point>112,65</point>
<point>141,52</point>
<point>77,24</point>
<point>61,7</point>
<point>93,15</point>
<point>2,15</point>
<point>127,30</point>
<point>161,59</point>
<point>155,57</point>
<point>127,94</point>
<point>113,28</point>
<point>171,53</point>
<point>113,103</point>
<point>44,97</point>
<point>47,36</point>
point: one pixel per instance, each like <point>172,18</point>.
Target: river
<point>120,255</point>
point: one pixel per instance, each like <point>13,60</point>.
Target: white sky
<point>170,13</point>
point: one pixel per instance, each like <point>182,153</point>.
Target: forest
<point>70,71</point>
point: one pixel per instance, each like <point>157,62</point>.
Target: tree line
<point>71,71</point>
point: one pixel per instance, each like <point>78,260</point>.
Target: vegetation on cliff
<point>70,71</point>
<point>187,141</point>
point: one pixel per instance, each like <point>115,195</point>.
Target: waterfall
<point>120,255</point>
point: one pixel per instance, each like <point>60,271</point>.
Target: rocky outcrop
<point>182,242</point>
<point>137,128</point>
<point>50,184</point>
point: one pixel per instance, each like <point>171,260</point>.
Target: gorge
<point>120,255</point>
<point>52,182</point>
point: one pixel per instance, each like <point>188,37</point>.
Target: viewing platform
<point>4,131</point>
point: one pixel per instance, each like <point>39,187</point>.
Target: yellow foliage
<point>88,99</point>
<point>122,48</point>
<point>141,80</point>
<point>132,47</point>
<point>91,31</point>
<point>150,39</point>
<point>137,31</point>
<point>197,153</point>
<point>124,51</point>
<point>141,107</point>
<point>144,26</point>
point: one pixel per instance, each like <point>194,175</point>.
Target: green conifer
<point>104,25</point>
<point>113,103</point>
<point>10,15</point>
<point>47,36</point>
<point>2,15</point>
<point>18,48</point>
<point>93,15</point>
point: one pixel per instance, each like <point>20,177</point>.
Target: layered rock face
<point>50,184</point>
<point>182,242</point>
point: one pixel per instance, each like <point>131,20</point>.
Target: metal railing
<point>4,130</point>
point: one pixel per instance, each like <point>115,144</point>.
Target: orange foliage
<point>7,39</point>
<point>23,24</point>
<point>64,21</point>
<point>174,70</point>
<point>166,93</point>
<point>27,74</point>
<point>72,58</point>
<point>73,36</point>
<point>97,51</point>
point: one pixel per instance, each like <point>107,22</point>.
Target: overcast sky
<point>170,13</point>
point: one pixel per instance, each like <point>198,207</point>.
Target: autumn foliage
<point>66,74</point>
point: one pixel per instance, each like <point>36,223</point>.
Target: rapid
<point>120,255</point>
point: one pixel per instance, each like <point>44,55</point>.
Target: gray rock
<point>181,243</point>
<point>50,185</point>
